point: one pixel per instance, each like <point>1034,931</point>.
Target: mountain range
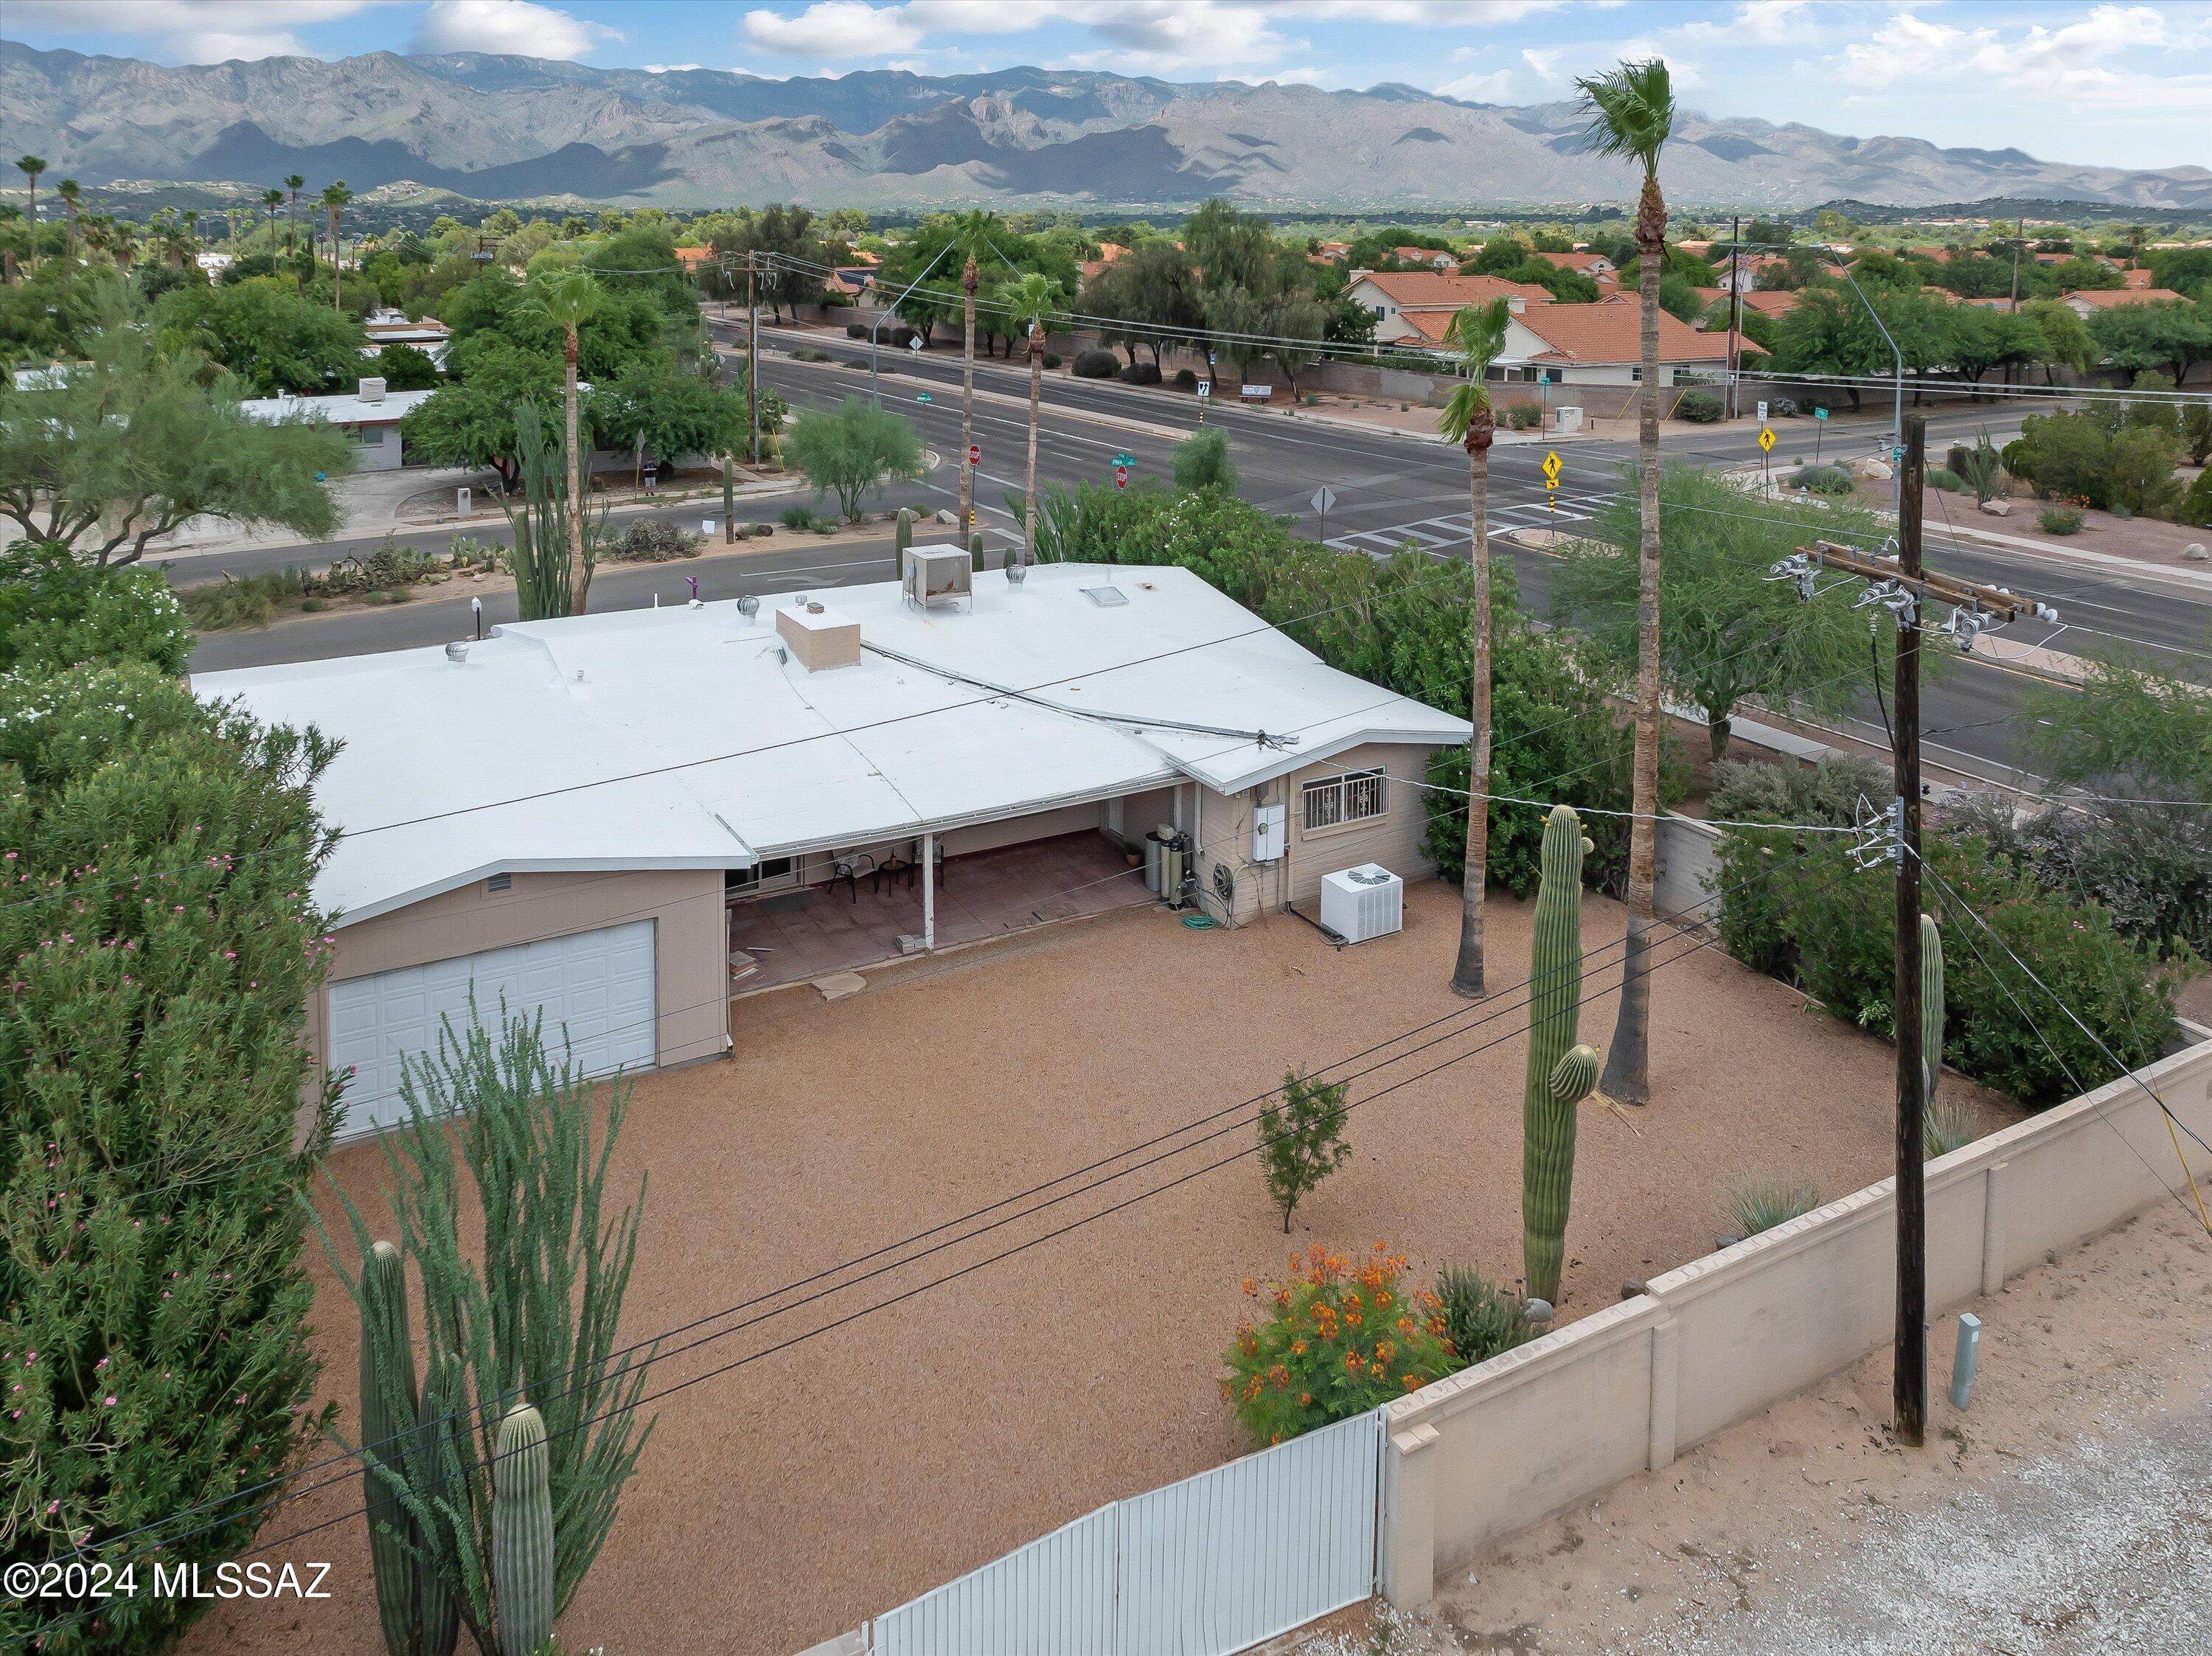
<point>508,128</point>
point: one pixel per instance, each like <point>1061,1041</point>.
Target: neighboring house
<point>370,415</point>
<point>1398,299</point>
<point>692,258</point>
<point>1435,258</point>
<point>212,262</point>
<point>586,815</point>
<point>1109,253</point>
<point>1335,252</point>
<point>2090,301</point>
<point>1590,264</point>
<point>428,335</point>
<point>1603,345</point>
<point>2138,277</point>
<point>853,281</point>
<point>1774,301</point>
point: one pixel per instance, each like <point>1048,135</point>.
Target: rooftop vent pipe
<point>458,651</point>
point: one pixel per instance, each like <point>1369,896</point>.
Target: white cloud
<point>834,28</point>
<point>521,26</point>
<point>196,30</point>
<point>2074,62</point>
<point>1755,22</point>
<point>1545,60</point>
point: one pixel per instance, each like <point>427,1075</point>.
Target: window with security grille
<point>1332,800</point>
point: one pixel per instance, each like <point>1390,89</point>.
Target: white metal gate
<point>1203,1568</point>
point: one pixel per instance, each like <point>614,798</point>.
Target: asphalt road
<point>1391,490</point>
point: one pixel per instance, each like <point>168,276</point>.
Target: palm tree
<point>293,184</point>
<point>188,256</point>
<point>568,299</point>
<point>1476,338</point>
<point>67,191</point>
<point>1631,115</point>
<point>335,196</point>
<point>271,201</point>
<point>30,167</point>
<point>974,232</point>
<point>1030,300</point>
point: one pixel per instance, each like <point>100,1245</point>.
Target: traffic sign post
<point>1120,477</point>
<point>921,396</point>
<point>1324,497</point>
<point>1550,480</point>
<point>1766,448</point>
<point>1818,431</point>
<point>975,454</point>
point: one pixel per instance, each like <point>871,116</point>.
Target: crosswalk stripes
<point>1452,529</point>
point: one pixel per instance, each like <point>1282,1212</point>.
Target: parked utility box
<point>1363,902</point>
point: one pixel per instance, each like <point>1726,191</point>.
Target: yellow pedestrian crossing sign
<point>1550,470</point>
<point>1766,439</point>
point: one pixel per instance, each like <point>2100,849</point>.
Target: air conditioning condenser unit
<point>1363,902</point>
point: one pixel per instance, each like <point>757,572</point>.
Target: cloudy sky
<point>2126,84</point>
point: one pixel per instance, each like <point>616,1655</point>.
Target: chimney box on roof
<point>372,390</point>
<point>818,636</point>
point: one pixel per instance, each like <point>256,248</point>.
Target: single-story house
<point>1397,297</point>
<point>603,817</point>
<point>2090,301</point>
<point>370,415</point>
<point>1603,344</point>
<point>426,334</point>
<point>1436,258</point>
<point>1583,262</point>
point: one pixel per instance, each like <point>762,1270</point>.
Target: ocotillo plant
<point>1560,1074</point>
<point>522,1534</point>
<point>388,1407</point>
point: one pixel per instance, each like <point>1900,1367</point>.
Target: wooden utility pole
<point>752,349</point>
<point>1909,1375</point>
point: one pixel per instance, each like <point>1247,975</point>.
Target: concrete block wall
<point>1493,1449</point>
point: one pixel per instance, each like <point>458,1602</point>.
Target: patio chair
<point>848,866</point>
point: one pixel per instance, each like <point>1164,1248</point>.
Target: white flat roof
<point>348,409</point>
<point>676,738</point>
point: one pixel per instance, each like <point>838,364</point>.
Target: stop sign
<point>975,454</point>
<point>1120,477</point>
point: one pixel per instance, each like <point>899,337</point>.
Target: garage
<point>598,984</point>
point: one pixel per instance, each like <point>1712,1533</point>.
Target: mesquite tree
<point>158,944</point>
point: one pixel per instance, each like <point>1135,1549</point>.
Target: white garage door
<point>598,984</point>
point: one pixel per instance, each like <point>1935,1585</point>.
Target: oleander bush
<point>1701,408</point>
<point>1096,365</point>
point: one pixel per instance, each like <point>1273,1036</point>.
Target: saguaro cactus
<point>388,1412</point>
<point>1931,1005</point>
<point>1560,1073</point>
<point>444,1437</point>
<point>902,537</point>
<point>522,1533</point>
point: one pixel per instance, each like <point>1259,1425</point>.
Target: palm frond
<point>1632,111</point>
<point>1475,339</point>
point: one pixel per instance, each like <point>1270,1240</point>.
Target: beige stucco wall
<point>1491,1450</point>
<point>691,942</point>
<point>1392,839</point>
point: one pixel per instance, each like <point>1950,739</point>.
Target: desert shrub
<point>1944,478</point>
<point>810,353</point>
<point>2197,432</point>
<point>1096,365</point>
<point>1523,416</point>
<point>1701,408</point>
<point>1823,480</point>
<point>1339,1340</point>
<point>2195,507</point>
<point>796,517</point>
<point>57,612</point>
<point>1805,912</point>
<point>1782,408</point>
<point>2084,456</point>
<point>1201,461</point>
<point>235,602</point>
<point>2149,865</point>
<point>1052,358</point>
<point>1186,380</point>
<point>1139,373</point>
<point>2059,520</point>
<point>153,1308</point>
<point>1945,1127</point>
<point>1751,1205</point>
<point>1480,1319</point>
<point>1758,790</point>
<point>652,541</point>
<point>856,331</point>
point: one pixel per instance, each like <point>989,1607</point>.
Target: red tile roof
<point>1581,262</point>
<point>1434,290</point>
<point>2104,298</point>
<point>1588,334</point>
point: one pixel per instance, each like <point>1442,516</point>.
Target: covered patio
<point>815,931</point>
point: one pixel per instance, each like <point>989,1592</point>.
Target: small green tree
<point>57,613</point>
<point>1301,1138</point>
<point>1201,461</point>
<point>2127,727</point>
<point>132,442</point>
<point>528,1312</point>
<point>858,448</point>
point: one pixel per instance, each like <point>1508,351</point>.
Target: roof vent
<point>458,651</point>
<point>1106,598</point>
<point>372,390</point>
<point>749,606</point>
<point>937,573</point>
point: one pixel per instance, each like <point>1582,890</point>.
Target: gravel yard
<point>785,1500</point>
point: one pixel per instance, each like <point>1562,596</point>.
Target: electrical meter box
<point>1268,833</point>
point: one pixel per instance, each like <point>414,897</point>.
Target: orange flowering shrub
<point>1339,1338</point>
